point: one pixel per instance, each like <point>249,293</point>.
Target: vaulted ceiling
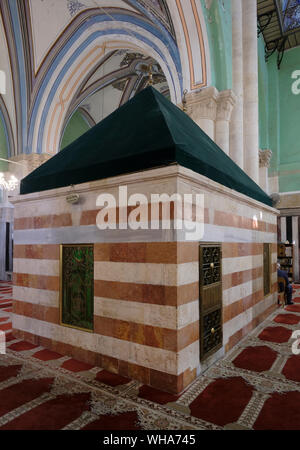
<point>33,33</point>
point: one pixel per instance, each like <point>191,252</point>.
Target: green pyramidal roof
<point>147,132</point>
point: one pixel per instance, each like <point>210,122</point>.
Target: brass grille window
<point>267,269</point>
<point>211,331</point>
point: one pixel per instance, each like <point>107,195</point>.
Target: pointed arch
<point>80,54</point>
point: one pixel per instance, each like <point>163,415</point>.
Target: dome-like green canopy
<point>147,132</point>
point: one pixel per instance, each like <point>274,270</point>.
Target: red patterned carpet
<point>256,386</point>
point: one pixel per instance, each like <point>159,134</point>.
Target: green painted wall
<point>76,126</point>
<point>3,147</point>
<point>274,128</point>
<point>289,161</point>
<point>279,116</point>
<point>219,30</point>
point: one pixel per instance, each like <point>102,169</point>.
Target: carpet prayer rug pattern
<point>256,386</point>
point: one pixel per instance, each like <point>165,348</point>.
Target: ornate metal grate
<point>211,333</point>
<point>212,330</point>
<point>211,265</point>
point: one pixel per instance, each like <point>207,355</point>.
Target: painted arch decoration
<point>81,54</point>
<point>49,73</point>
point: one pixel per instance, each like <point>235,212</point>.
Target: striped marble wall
<point>244,304</point>
<point>146,306</point>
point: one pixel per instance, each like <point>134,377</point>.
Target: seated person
<point>288,289</point>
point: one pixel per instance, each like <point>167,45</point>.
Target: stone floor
<point>256,386</point>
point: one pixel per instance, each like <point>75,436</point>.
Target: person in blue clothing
<point>288,289</point>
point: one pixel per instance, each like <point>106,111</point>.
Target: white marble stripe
<point>138,312</point>
<point>241,263</point>
<point>244,263</point>
<point>141,273</point>
<point>154,358</point>
<point>48,267</point>
<point>216,201</point>
<point>146,273</point>
<point>295,224</point>
<point>36,296</point>
<point>91,234</point>
<point>154,315</point>
<point>187,314</point>
<point>242,320</point>
<point>241,291</point>
<point>215,233</point>
<point>189,357</point>
<point>283,228</point>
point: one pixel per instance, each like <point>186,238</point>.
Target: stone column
<point>202,108</point>
<point>237,122</point>
<point>264,164</point>
<point>250,80</point>
<point>225,104</point>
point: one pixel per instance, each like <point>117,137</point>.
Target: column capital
<point>203,103</point>
<point>265,158</point>
<point>225,104</point>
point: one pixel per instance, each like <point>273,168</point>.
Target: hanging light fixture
<point>8,185</point>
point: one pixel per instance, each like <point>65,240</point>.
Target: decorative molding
<point>157,8</point>
<point>4,115</point>
<point>225,104</point>
<point>194,84</point>
<point>265,158</point>
<point>14,67</point>
<point>74,6</point>
<point>203,104</point>
<point>211,104</point>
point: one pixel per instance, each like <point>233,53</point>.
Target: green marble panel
<point>77,286</point>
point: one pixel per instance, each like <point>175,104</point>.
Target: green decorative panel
<point>77,286</point>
